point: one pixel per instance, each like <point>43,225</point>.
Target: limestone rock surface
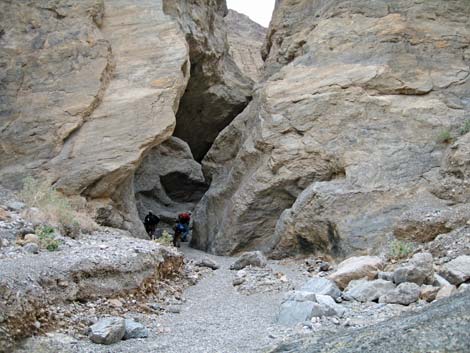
<point>342,137</point>
<point>87,88</point>
<point>217,90</point>
<point>168,181</point>
<point>245,39</point>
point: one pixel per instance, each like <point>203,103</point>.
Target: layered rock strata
<point>101,266</point>
<point>346,133</point>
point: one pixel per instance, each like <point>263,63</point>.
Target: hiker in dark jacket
<point>150,223</point>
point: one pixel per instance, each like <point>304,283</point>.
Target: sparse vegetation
<point>465,129</point>
<point>400,249</point>
<point>47,238</point>
<point>444,137</point>
<point>165,239</point>
<point>55,208</point>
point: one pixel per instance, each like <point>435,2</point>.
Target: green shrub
<point>444,137</point>
<point>400,249</point>
<point>465,129</point>
<point>47,238</point>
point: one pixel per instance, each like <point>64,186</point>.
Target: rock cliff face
<point>346,134</point>
<point>245,39</point>
<point>169,181</point>
<point>217,90</point>
<point>87,88</point>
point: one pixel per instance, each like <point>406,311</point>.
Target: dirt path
<point>214,318</point>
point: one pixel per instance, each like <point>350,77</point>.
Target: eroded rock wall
<point>245,39</point>
<point>169,181</point>
<point>344,135</point>
<point>218,90</point>
<point>87,88</point>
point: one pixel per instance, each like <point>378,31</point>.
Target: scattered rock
<point>300,306</point>
<point>419,270</point>
<point>386,276</point>
<point>31,248</point>
<point>464,287</point>
<point>457,271</point>
<point>252,258</point>
<point>319,285</point>
<point>15,206</point>
<point>428,293</point>
<point>31,238</point>
<point>206,262</point>
<point>440,281</point>
<point>134,329</point>
<point>405,294</point>
<point>115,302</point>
<point>356,268</point>
<point>175,309</point>
<point>108,331</point>
<point>446,291</point>
<point>367,291</point>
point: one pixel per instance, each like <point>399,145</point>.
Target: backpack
<point>184,217</point>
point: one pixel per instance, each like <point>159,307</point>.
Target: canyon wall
<point>352,137</point>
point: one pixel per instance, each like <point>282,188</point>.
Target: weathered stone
<point>217,90</point>
<point>300,306</point>
<point>419,270</point>
<point>405,294</point>
<point>458,270</point>
<point>439,281</point>
<point>31,238</point>
<point>292,312</point>
<point>169,181</point>
<point>252,258</point>
<point>368,291</point>
<point>386,276</point>
<point>328,302</point>
<point>104,87</point>
<point>108,331</point>
<point>428,292</point>
<point>206,262</point>
<point>446,291</point>
<point>245,39</point>
<point>85,271</point>
<point>320,285</point>
<point>31,248</point>
<point>341,138</point>
<point>439,327</point>
<point>134,329</point>
<point>356,268</point>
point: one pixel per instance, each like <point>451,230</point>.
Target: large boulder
<point>419,270</point>
<point>457,271</point>
<point>108,331</point>
<point>252,258</point>
<point>321,285</point>
<point>343,135</point>
<point>301,306</point>
<point>405,294</point>
<point>368,291</point>
<point>356,268</point>
<point>440,327</point>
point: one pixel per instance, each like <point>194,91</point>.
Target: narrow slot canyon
<point>320,148</point>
